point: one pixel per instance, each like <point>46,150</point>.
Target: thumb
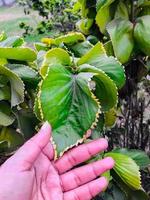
<point>25,157</point>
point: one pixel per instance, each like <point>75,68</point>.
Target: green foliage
<point>75,89</point>
<point>53,13</point>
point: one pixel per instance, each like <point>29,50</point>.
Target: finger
<point>80,154</point>
<point>24,158</point>
<point>87,191</point>
<point>85,174</point>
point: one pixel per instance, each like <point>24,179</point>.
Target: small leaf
<point>121,34</point>
<point>13,138</point>
<point>84,25</point>
<point>65,103</point>
<point>20,54</point>
<point>6,117</point>
<point>140,157</point>
<point>17,86</point>
<point>55,56</point>
<point>142,34</point>
<point>127,169</point>
<point>110,117</point>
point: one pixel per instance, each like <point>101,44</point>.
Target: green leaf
<point>127,170</point>
<point>121,34</point>
<point>141,34</point>
<point>13,138</point>
<point>20,54</point>
<point>81,48</point>
<point>65,99</point>
<point>55,56</point>
<point>5,93</point>
<point>26,122</point>
<point>84,25</point>
<point>70,38</point>
<point>110,117</point>
<point>143,3</point>
<point>26,73</point>
<point>6,117</point>
<point>97,57</point>
<point>17,86</point>
<point>130,193</point>
<point>138,195</point>
<point>140,157</point>
<point>14,41</point>
<point>103,16</point>
<point>3,146</point>
<point>98,130</point>
<point>122,11</point>
<point>104,89</point>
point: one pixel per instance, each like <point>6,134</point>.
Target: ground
<point>11,17</point>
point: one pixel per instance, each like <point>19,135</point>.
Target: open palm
<point>32,174</point>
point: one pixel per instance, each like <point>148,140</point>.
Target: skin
<point>32,174</point>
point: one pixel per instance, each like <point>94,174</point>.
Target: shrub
<point>53,14</point>
<point>73,84</point>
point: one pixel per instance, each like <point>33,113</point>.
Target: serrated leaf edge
<point>94,124</point>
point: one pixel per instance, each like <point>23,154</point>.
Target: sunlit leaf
<point>21,54</point>
<point>127,170</point>
<point>140,157</point>
<point>97,57</point>
<point>84,25</point>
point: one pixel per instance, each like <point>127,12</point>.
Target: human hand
<point>32,174</point>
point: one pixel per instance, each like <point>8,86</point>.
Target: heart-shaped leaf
<point>65,99</point>
<point>121,34</point>
<point>142,34</point>
<point>127,169</point>
<point>17,86</point>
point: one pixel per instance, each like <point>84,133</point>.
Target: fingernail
<point>45,126</point>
